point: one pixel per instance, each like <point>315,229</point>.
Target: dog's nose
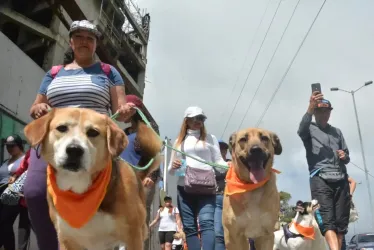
<point>74,151</point>
<point>256,150</point>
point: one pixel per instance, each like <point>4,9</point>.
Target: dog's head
<point>180,235</point>
<point>304,208</point>
<point>253,153</point>
<point>76,140</point>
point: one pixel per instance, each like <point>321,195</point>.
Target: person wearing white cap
<point>82,82</point>
<point>195,198</point>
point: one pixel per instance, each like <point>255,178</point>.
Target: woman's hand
<point>176,164</point>
<point>12,179</point>
<point>126,111</point>
<point>40,109</point>
<point>147,182</point>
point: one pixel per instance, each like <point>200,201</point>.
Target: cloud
<point>197,50</point>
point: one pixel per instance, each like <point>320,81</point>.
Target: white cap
<point>193,112</point>
<point>84,25</point>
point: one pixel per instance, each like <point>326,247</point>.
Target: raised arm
<point>303,130</point>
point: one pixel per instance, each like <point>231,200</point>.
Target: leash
<point>144,118</point>
<point>146,121</point>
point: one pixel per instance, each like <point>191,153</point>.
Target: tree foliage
<point>286,213</point>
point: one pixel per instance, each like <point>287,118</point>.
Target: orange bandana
<point>78,209</point>
<point>235,186</point>
<point>307,232</point>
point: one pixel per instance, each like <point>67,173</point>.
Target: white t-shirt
<point>168,221</point>
<point>206,151</point>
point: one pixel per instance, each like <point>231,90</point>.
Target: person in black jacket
<point>327,155</point>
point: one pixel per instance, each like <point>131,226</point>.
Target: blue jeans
<point>191,206</point>
<point>218,227</point>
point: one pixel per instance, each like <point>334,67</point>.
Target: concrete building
<point>34,37</point>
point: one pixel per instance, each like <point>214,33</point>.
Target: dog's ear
<point>117,139</point>
<point>37,130</point>
<point>232,142</point>
<point>276,144</point>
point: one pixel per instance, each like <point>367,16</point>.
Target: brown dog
<point>104,196</point>
<point>251,202</point>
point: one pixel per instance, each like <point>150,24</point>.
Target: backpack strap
<point>106,68</point>
<point>55,69</point>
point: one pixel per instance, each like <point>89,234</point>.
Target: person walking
<point>352,188</point>
<point>80,82</point>
<point>327,155</point>
<point>221,183</point>
<point>170,223</point>
<point>195,199</point>
<point>9,213</point>
<point>135,154</point>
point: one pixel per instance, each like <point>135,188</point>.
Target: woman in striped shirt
<point>80,82</point>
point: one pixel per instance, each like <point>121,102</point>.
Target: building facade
<point>34,37</point>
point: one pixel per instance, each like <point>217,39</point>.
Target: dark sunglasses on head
<point>199,118</point>
<point>10,145</point>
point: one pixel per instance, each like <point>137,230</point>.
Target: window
<point>367,238</point>
<point>10,125</point>
<point>354,239</point>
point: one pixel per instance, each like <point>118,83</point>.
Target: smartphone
<point>316,87</point>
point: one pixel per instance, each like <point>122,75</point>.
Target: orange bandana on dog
<point>307,232</point>
<point>78,209</point>
<point>235,186</point>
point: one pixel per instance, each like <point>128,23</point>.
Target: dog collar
<point>235,186</point>
<point>78,209</point>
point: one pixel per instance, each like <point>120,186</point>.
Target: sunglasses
<point>10,145</point>
<point>199,118</point>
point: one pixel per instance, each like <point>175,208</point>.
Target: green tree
<point>286,213</point>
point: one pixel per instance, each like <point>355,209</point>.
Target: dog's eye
<point>243,139</point>
<point>264,138</point>
<point>62,128</point>
<point>92,133</point>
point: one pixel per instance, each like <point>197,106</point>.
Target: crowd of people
<point>81,81</point>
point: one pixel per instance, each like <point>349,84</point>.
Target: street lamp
<point>352,92</point>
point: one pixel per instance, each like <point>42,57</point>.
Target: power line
<point>254,62</point>
<point>361,169</point>
<point>289,66</point>
<point>268,66</point>
<point>247,54</point>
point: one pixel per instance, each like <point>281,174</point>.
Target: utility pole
<point>361,144</point>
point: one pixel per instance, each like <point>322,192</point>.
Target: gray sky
<point>198,48</point>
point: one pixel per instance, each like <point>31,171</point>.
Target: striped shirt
<point>87,87</point>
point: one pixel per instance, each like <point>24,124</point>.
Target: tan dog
<point>80,144</point>
<point>251,202</point>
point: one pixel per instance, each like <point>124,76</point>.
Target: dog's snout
<point>74,151</point>
<point>256,150</point>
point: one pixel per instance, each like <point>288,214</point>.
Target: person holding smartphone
<point>327,155</point>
